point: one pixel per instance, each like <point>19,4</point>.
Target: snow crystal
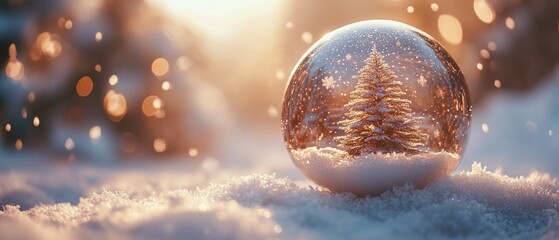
<point>422,81</point>
<point>373,173</point>
<point>328,82</point>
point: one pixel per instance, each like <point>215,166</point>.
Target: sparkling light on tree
<point>380,119</point>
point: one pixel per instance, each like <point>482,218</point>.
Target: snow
<point>475,204</point>
<point>372,173</point>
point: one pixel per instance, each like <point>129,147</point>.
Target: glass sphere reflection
<point>373,105</point>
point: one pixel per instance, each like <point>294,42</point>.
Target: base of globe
<point>372,174</point>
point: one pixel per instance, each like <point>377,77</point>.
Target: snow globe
<point>373,105</point>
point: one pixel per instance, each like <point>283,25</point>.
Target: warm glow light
<point>497,83</point>
<point>95,133</point>
<point>113,80</point>
<point>160,67</point>
<point>484,11</point>
<point>97,68</point>
<point>8,127</point>
<point>434,7</point>
<point>450,28</point>
<point>411,9</point>
<point>152,105</point>
<point>84,86</point>
<point>159,145</point>
<point>24,113</point>
<point>115,105</point>
<point>479,66</point>
<point>69,144</point>
<point>166,86</point>
<point>98,36</point>
<point>19,144</point>
<point>49,44</point>
<point>306,37</point>
<point>485,128</point>
<point>484,53</point>
<point>157,103</point>
<point>68,25</point>
<point>193,152</point>
<point>36,121</point>
<point>509,22</point>
<point>14,68</point>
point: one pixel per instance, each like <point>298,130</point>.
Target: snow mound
<point>477,204</point>
<point>373,173</point>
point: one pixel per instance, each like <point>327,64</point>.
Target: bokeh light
<point>192,152</point>
<point>434,7</point>
<point>159,145</point>
<point>36,121</point>
<point>69,144</point>
<point>98,36</point>
<point>450,28</point>
<point>306,37</point>
<point>410,9</point>
<point>14,68</point>
<point>48,44</point>
<point>484,11</point>
<point>160,67</point>
<point>152,105</point>
<point>115,105</point>
<point>509,22</point>
<point>84,86</point>
<point>95,133</point>
<point>113,80</point>
<point>19,144</point>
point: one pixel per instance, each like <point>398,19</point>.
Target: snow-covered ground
<point>239,197</point>
<point>154,202</point>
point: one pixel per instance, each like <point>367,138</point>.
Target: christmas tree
<point>380,119</point>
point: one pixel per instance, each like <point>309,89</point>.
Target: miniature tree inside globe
<point>373,105</point>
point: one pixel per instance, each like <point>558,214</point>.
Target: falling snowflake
<point>348,57</point>
<point>437,134</point>
<point>328,82</point>
<point>422,81</point>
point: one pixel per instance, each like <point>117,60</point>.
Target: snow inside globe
<point>373,105</point>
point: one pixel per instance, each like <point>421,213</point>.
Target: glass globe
<point>373,105</point>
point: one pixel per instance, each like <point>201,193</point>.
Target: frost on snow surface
<point>475,204</point>
<point>372,173</point>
